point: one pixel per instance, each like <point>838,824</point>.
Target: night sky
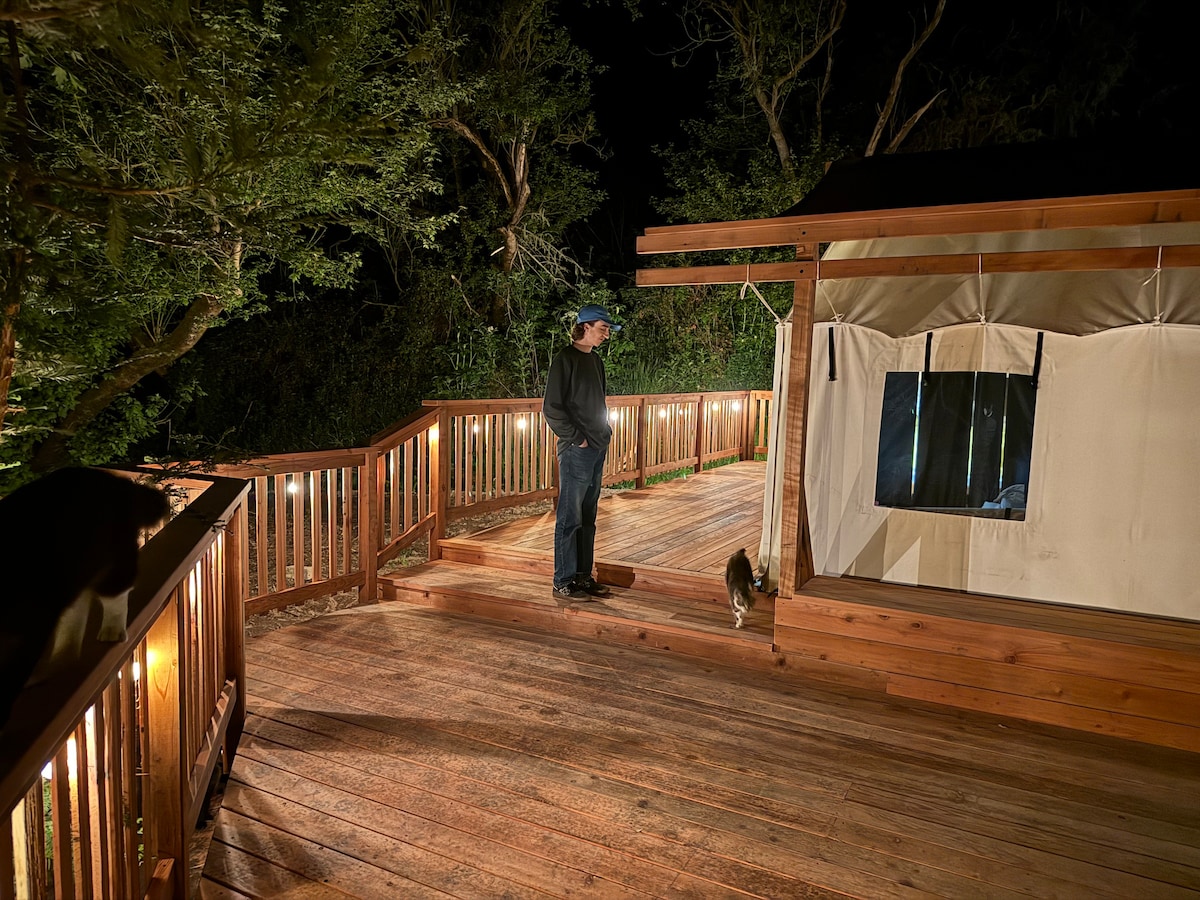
<point>1070,46</point>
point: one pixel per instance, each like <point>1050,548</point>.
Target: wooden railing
<point>134,732</point>
<point>311,513</point>
<point>305,518</point>
<point>760,420</point>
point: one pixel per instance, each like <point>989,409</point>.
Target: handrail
<point>326,521</point>
<point>188,672</point>
<point>404,429</point>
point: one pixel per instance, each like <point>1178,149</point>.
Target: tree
<point>517,101</point>
<point>773,49</point>
<point>164,166</point>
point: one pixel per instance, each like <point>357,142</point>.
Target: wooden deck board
<point>400,751</point>
<point>663,526</point>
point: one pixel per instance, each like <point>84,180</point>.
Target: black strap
<point>1037,360</point>
<point>832,357</point>
<point>928,356</point>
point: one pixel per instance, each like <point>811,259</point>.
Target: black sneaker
<point>569,591</point>
<point>592,587</point>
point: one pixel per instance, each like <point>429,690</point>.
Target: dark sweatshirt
<point>574,404</point>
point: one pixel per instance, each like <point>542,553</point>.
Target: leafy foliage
<point>166,167</point>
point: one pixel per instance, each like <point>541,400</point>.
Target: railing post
<point>236,591</point>
<point>439,481</point>
<point>163,825</point>
<point>370,525</point>
<point>749,426</point>
<point>701,428</point>
<point>643,442</point>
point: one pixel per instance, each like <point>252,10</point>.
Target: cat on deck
<point>739,581</point>
<point>68,544</point>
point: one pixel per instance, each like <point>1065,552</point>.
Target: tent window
<point>956,442</point>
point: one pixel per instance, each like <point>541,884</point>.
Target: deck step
<point>693,627</point>
<point>653,579</point>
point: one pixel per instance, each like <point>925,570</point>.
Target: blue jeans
<point>579,473</point>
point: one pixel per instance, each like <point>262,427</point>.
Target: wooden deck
<point>689,524</point>
<point>663,549</point>
<point>400,751</point>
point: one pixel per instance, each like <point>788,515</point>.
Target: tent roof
<point>998,174</point>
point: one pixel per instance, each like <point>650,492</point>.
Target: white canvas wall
<point>1114,497</point>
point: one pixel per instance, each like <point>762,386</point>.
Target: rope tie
<point>748,284</point>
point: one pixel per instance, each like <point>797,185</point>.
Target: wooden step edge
<point>414,592</point>
<point>764,605</point>
<point>618,573</point>
<point>732,636</point>
<point>693,644</point>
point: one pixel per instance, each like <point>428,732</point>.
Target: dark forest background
<point>233,228</point>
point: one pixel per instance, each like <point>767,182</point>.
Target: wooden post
<point>236,593</point>
<point>164,828</point>
<point>749,426</point>
<point>796,562</point>
<point>701,428</point>
<point>370,524</point>
<point>439,480</point>
<point>642,438</point>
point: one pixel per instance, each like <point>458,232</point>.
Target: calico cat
<point>739,581</point>
<point>68,543</point>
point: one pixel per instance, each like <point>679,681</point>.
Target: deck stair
<point>654,579</point>
<point>684,612</point>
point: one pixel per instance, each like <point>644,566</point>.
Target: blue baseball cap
<point>594,313</point>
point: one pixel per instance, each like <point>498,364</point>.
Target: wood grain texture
<point>397,751</point>
<point>1123,674</point>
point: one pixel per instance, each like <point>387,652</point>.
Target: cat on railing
<point>68,550</point>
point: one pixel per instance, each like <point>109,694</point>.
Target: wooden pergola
<point>934,194</point>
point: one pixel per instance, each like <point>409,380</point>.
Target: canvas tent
<point>1081,266</point>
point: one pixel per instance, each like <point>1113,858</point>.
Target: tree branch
<point>889,105</point>
<point>835,25</point>
<point>50,12</point>
<point>909,123</point>
<point>53,453</point>
<point>490,163</point>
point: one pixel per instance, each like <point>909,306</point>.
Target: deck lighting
<point>474,429</point>
<point>433,433</point>
<point>716,406</point>
<point>292,486</point>
<point>89,719</point>
<point>614,416</point>
<point>521,423</point>
<point>737,404</point>
<point>662,413</point>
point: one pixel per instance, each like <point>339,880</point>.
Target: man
<point>576,411</point>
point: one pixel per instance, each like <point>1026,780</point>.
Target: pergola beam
<point>981,218</point>
<point>1089,260</point>
<point>759,273</point>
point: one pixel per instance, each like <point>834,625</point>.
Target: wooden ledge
<point>1122,674</point>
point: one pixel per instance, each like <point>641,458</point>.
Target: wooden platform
<point>1122,674</point>
<point>689,524</point>
<point>662,549</point>
<point>397,751</point>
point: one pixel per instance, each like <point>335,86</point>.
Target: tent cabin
<point>983,487</point>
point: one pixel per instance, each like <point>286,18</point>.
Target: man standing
<point>575,409</point>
